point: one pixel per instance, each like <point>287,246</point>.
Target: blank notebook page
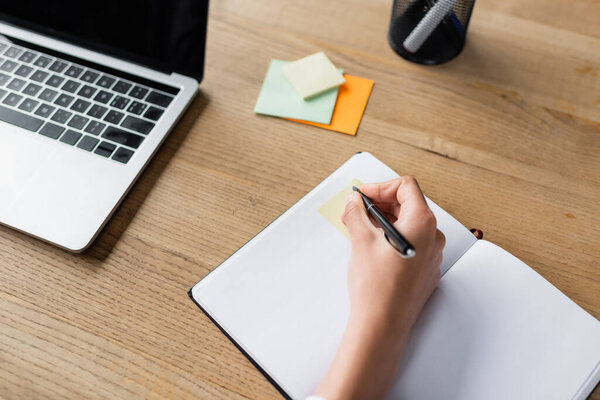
<point>495,329</point>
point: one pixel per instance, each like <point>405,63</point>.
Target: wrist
<point>377,337</point>
<point>367,359</point>
<point>387,319</point>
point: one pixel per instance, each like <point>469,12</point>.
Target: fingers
<point>440,240</point>
<point>411,199</point>
<point>357,221</point>
<point>395,195</point>
<point>382,193</point>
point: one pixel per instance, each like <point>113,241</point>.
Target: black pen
<point>395,238</point>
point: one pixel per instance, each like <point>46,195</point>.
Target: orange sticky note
<point>349,107</point>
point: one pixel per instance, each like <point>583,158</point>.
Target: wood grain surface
<point>506,138</point>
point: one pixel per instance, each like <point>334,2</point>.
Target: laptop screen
<point>167,35</point>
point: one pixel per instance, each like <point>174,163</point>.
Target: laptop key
<point>95,127</point>
<point>136,108</point>
<point>90,76</point>
<point>119,102</point>
<point>8,66</point>
<point>105,149</point>
<point>39,76</point>
<point>29,105</point>
<point>2,93</point>
<point>42,61</point>
<point>122,155</point>
<point>48,94</point>
<point>51,130</point>
<point>58,66</point>
<point>138,92</point>
<point>61,116</point>
<point>123,137</point>
<point>64,100</point>
<point>80,105</point>
<point>27,57</point>
<point>114,117</point>
<point>71,86</point>
<point>23,70</point>
<point>12,99</point>
<point>159,99</point>
<point>12,52</point>
<point>122,87</point>
<point>154,113</point>
<point>70,137</point>
<point>32,89</point>
<point>78,121</point>
<point>3,46</point>
<point>16,84</point>
<point>103,97</point>
<point>87,143</point>
<point>137,124</point>
<point>106,81</point>
<point>20,119</point>
<point>55,81</point>
<point>74,71</point>
<point>97,111</point>
<point>3,79</point>
<point>87,91</point>
<point>45,110</point>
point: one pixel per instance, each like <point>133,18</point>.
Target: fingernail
<point>349,198</point>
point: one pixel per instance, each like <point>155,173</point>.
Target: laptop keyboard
<point>77,106</point>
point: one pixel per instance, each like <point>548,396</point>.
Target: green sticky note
<point>278,98</point>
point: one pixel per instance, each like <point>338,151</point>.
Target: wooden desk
<point>506,138</point>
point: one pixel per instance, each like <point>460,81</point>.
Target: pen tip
<point>410,253</point>
<point>355,189</point>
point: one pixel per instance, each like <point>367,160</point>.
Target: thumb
<point>356,219</point>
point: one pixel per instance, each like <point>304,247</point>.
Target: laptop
<point>87,95</point>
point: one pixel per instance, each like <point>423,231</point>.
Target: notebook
<point>493,329</point>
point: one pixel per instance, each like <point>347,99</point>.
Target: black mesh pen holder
<point>429,31</point>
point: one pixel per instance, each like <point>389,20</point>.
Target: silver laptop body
<point>55,185</point>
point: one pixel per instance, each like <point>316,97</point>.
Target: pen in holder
<point>429,31</point>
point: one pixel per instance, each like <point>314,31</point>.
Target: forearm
<point>366,361</point>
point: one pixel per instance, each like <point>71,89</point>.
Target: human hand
<point>382,284</point>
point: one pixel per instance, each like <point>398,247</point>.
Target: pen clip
<point>410,255</point>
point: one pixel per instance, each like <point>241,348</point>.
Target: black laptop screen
<point>168,35</point>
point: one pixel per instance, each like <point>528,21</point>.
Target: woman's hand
<point>382,284</point>
<point>387,292</point>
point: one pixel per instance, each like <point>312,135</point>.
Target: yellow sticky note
<point>333,209</point>
<point>312,75</point>
<point>349,107</point>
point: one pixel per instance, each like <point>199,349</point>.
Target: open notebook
<point>493,329</point>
